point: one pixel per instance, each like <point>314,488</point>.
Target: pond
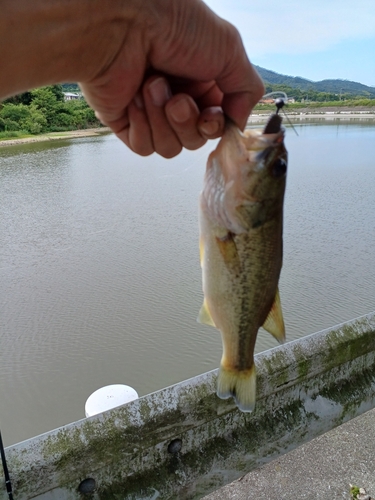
<point>100,274</point>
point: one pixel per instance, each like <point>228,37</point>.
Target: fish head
<point>246,176</point>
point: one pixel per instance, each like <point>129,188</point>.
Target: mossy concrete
<point>183,442</point>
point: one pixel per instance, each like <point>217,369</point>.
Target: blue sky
<point>316,40</point>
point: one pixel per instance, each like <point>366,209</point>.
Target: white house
<point>69,96</point>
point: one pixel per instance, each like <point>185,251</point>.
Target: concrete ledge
<point>320,469</point>
<point>183,442</point>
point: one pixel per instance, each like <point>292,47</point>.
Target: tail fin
<point>239,384</point>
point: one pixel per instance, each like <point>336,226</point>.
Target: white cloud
<point>297,27</point>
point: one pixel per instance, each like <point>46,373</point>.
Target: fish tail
<point>239,384</point>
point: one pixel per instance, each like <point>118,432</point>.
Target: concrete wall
<point>183,442</point>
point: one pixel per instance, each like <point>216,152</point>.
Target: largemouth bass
<point>241,221</point>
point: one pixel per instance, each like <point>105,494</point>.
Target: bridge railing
<point>183,442</point>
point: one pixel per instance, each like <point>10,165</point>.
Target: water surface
<point>100,276</point>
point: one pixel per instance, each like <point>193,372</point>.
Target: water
<point>99,268</point>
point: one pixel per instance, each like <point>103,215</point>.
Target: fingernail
<point>209,128</point>
<point>160,92</point>
<point>180,111</point>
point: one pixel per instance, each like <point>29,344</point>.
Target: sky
<point>316,40</point>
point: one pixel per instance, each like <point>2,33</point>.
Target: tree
<point>45,110</point>
<point>45,100</point>
<point>36,122</point>
<point>58,91</point>
<point>20,117</point>
<point>12,115</point>
<point>24,98</point>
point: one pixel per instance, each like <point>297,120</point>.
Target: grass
<point>14,134</point>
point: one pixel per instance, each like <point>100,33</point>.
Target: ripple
<point>100,272</point>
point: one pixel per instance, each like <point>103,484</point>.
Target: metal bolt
<point>87,485</point>
<point>175,446</point>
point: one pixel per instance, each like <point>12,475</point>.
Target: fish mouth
<point>275,146</point>
<point>273,126</point>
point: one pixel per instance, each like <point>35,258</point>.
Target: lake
<point>100,275</point>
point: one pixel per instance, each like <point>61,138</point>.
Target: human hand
<point>177,70</point>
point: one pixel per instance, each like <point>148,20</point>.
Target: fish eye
<point>279,168</point>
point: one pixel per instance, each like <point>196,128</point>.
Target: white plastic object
<point>109,397</point>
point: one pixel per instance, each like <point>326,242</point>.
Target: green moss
<point>277,368</point>
<point>351,394</point>
<point>348,342</point>
<point>303,363</point>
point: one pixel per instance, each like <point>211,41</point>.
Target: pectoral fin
<point>274,323</point>
<point>204,316</point>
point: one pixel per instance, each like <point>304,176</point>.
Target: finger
<point>137,136</point>
<point>212,97</point>
<point>211,122</point>
<point>182,114</point>
<point>240,83</point>
<point>115,125</point>
<point>156,93</point>
<point>221,58</point>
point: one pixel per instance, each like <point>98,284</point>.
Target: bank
<point>327,113</point>
<point>55,136</point>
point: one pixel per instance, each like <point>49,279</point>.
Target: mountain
<point>331,86</point>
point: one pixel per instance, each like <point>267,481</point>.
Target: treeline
<point>44,110</point>
<point>332,86</point>
<point>316,96</point>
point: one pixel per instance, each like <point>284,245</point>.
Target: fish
<point>241,246</point>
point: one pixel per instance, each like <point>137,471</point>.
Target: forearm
<point>50,41</point>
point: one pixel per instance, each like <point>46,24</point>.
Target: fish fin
<point>204,316</point>
<point>239,384</point>
<point>274,323</point>
<point>201,251</point>
<point>228,250</point>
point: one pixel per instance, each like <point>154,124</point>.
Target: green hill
<point>339,87</point>
<point>352,89</point>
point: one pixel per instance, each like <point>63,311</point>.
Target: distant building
<point>291,100</point>
<point>267,101</point>
<point>69,96</point>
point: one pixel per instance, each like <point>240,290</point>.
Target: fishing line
<point>280,102</point>
<point>8,484</point>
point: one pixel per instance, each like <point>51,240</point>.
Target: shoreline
<point>56,136</point>
<point>295,116</point>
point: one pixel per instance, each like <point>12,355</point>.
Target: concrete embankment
<point>324,114</point>
<point>321,469</point>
